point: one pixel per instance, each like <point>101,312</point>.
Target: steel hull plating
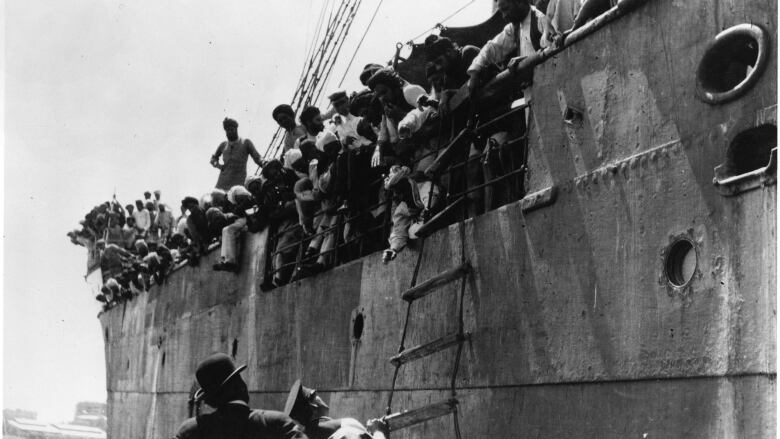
<point>575,328</point>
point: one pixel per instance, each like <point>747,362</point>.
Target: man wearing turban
<point>285,116</point>
<point>234,152</point>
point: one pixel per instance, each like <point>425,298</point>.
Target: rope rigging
<point>335,56</point>
<point>360,43</point>
<point>441,22</point>
<point>325,47</point>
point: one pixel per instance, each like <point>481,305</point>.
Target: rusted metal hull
<point>575,328</point>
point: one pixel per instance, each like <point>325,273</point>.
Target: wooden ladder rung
<point>426,349</point>
<point>440,279</point>
<point>401,420</point>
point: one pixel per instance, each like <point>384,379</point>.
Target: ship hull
<point>575,326</point>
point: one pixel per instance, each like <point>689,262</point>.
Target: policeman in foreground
<point>223,388</point>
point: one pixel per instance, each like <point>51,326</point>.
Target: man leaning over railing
<point>318,187</point>
<point>398,98</point>
<point>525,34</point>
<point>277,204</point>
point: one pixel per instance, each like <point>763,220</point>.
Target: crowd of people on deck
<point>372,170</point>
<point>131,244</point>
<point>378,154</point>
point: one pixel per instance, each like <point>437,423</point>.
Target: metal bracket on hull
<point>539,199</point>
<point>735,185</point>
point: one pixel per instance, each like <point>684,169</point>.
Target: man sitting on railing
<point>524,35</point>
<point>413,200</point>
<point>240,201</point>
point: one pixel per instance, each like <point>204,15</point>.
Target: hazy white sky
<point>106,94</point>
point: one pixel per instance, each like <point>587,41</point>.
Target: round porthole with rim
<point>732,63</point>
<point>681,262</point>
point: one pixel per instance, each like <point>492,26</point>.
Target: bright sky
<point>103,95</point>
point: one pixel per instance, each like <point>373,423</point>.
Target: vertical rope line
<point>457,424</point>
<point>360,43</point>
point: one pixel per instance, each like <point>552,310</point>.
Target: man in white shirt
<point>343,124</point>
<point>355,158</point>
<point>143,219</point>
<point>524,35</point>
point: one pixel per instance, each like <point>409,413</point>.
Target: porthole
<point>732,63</point>
<point>681,261</point>
<point>357,327</point>
<point>750,150</point>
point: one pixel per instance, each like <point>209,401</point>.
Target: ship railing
<point>504,81</point>
<point>373,238</point>
<point>519,65</point>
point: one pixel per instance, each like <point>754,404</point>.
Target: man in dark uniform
<point>305,407</point>
<point>223,388</point>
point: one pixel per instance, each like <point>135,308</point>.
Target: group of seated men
<point>319,193</point>
<point>130,244</point>
<point>150,220</point>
